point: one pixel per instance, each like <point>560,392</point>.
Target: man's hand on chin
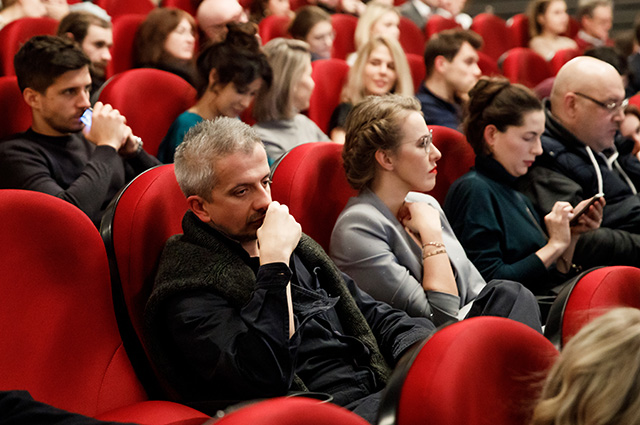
<point>279,235</point>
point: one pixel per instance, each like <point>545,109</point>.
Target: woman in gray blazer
<point>393,239</point>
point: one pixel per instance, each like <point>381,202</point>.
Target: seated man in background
<point>419,11</point>
<point>580,159</point>
<point>59,155</point>
<point>214,15</point>
<point>245,306</point>
<point>451,59</point>
<point>95,37</point>
<point>596,20</point>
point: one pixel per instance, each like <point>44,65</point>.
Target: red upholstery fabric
<point>15,114</point>
<point>273,26</point>
<point>573,28</point>
<point>478,371</point>
<point>518,26</point>
<point>186,5</point>
<point>418,69</point>
<point>437,23</point>
<point>494,32</point>
<point>412,38</point>
<point>60,340</point>
<point>330,75</point>
<point>523,65</point>
<point>311,181</point>
<point>561,57</point>
<point>135,230</point>
<point>291,411</point>
<point>151,100</point>
<point>345,28</point>
<point>116,8</point>
<point>124,34</point>
<point>635,100</point>
<point>457,158</point>
<point>597,292</point>
<point>16,33</point>
<point>488,65</point>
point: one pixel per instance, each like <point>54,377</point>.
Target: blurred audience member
<point>10,10</point>
<point>95,37</point>
<point>451,59</point>
<point>166,40</point>
<point>595,379</point>
<point>596,20</point>
<point>231,73</point>
<point>262,8</point>
<point>630,128</point>
<point>548,20</point>
<point>313,25</point>
<point>452,9</point>
<point>214,15</point>
<point>277,109</point>
<point>381,67</point>
<point>419,11</point>
<point>378,19</point>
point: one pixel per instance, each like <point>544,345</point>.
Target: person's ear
<point>440,64</point>
<point>32,97</point>
<point>199,207</point>
<point>489,134</point>
<point>213,79</point>
<point>569,105</point>
<point>384,160</point>
<point>70,36</point>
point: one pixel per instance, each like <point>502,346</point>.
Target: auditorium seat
<point>418,69</point>
<point>437,23</point>
<point>561,57</point>
<point>518,26</point>
<point>116,8</point>
<point>124,34</point>
<point>457,158</point>
<point>480,371</point>
<point>494,32</point>
<point>59,337</point>
<point>16,33</point>
<point>345,28</point>
<point>273,26</point>
<point>523,65</point>
<point>186,5</point>
<point>411,37</point>
<point>330,75</point>
<point>15,114</point>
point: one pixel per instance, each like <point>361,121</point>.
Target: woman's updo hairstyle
<point>496,101</point>
<point>373,124</point>
<point>238,59</point>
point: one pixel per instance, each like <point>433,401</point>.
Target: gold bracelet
<point>436,244</point>
<point>432,253</point>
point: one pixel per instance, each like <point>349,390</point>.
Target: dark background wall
<point>624,11</point>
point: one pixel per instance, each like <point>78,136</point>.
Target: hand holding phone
<point>578,214</point>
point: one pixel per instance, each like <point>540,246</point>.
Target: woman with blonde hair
<point>379,18</point>
<point>381,67</point>
<point>277,108</point>
<point>548,19</point>
<point>595,380</point>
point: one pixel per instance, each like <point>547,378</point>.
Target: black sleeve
<point>339,116</point>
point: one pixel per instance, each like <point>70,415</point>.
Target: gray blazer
<point>370,245</point>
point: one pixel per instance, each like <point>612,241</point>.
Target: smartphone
<point>578,214</point>
<point>86,118</point>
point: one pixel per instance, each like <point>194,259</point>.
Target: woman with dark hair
<point>166,40</point>
<point>231,74</point>
<point>393,239</point>
<point>497,225</point>
<point>313,26</point>
<point>548,20</point>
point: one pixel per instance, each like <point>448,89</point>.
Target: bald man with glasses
<point>583,156</point>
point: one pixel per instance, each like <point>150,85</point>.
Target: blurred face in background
<point>387,25</point>
<point>320,39</point>
<point>379,72</point>
<point>599,24</point>
<point>279,7</point>
<point>181,42</point>
<point>555,19</point>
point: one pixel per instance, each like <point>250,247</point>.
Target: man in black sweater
<point>85,165</point>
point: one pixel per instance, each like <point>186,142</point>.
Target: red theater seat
<point>273,26</point>
<point>494,32</point>
<point>457,158</point>
<point>16,33</point>
<point>523,65</point>
<point>330,76</point>
<point>124,34</point>
<point>411,38</point>
<point>59,337</point>
<point>116,8</point>
<point>15,114</point>
<point>345,28</point>
<point>437,23</point>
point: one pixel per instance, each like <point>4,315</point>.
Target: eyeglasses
<point>612,107</point>
<point>427,142</point>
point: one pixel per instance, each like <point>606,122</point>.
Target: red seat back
<point>311,181</point>
<point>495,34</point>
<point>518,26</point>
<point>16,33</point>
<point>488,66</point>
<point>437,23</point>
<point>418,69</point>
<point>151,100</point>
<point>116,8</point>
<point>523,65</point>
<point>15,114</point>
<point>457,158</point>
<point>411,38</point>
<point>561,57</point>
<point>124,34</point>
<point>292,411</point>
<point>188,6</point>
<point>273,26</point>
<point>479,371</point>
<point>135,229</point>
<point>345,28</point>
<point>330,76</point>
<point>635,100</point>
<point>589,296</point>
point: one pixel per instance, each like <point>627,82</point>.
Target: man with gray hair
<point>580,159</point>
<point>246,306</point>
<point>596,20</point>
